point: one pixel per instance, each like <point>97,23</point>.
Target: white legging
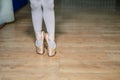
<point>43,9</point>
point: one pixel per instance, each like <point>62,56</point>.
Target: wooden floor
<point>88,48</point>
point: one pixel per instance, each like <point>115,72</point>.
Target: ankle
<point>38,35</point>
<point>38,43</point>
<point>51,41</point>
<point>51,37</point>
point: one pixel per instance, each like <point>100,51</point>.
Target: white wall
<point>6,11</point>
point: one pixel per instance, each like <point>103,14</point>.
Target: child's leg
<point>36,17</point>
<point>49,16</point>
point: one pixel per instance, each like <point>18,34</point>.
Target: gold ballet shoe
<point>40,49</point>
<point>51,51</point>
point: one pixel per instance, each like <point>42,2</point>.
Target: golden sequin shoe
<point>40,49</point>
<point>51,50</point>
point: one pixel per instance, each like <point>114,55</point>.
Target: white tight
<point>43,9</point>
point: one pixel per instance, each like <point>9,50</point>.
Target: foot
<point>51,46</point>
<point>40,44</point>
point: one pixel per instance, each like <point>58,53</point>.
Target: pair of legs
<point>43,9</point>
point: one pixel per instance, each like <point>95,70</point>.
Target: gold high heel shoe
<point>51,51</point>
<point>40,49</point>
